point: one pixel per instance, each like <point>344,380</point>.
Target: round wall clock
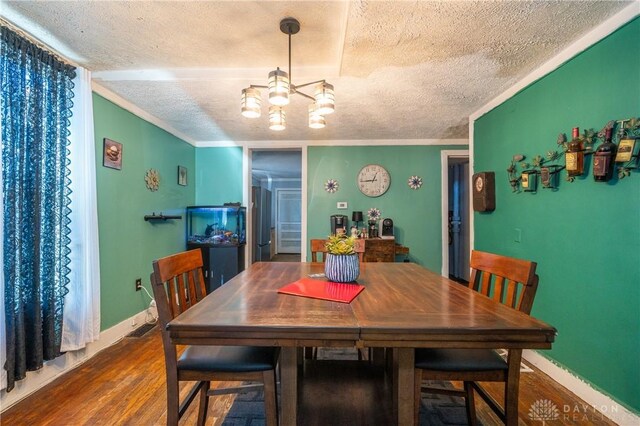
<point>373,180</point>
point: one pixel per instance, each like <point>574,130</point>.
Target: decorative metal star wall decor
<point>415,182</point>
<point>331,186</point>
<point>373,213</point>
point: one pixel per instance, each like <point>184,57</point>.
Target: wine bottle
<point>574,156</point>
<point>603,159</point>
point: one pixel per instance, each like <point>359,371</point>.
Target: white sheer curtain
<point>81,317</point>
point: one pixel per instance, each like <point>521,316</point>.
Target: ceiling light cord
<point>292,88</point>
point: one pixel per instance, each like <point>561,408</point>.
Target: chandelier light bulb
<point>277,118</point>
<point>251,103</point>
<point>325,98</point>
<point>316,120</point>
<point>278,87</point>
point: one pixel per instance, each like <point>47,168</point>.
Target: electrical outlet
<point>138,284</point>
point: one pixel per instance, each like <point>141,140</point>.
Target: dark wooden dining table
<point>403,306</point>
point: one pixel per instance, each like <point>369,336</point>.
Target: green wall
<point>218,175</point>
<point>416,214</point>
<point>128,244</point>
<point>585,236</point>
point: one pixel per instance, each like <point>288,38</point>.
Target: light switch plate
<point>342,205</point>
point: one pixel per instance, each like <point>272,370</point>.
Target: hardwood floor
<point>124,385</point>
<point>286,258</point>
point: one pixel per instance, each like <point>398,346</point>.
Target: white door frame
<point>247,151</point>
<point>444,196</point>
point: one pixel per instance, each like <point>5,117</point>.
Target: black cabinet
<point>220,263</point>
<point>219,231</point>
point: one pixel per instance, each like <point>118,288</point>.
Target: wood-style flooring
<point>125,385</point>
<point>284,257</point>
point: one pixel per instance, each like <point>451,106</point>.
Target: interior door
<point>288,220</point>
<point>459,221</point>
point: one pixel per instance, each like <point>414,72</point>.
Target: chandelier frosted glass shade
<point>325,98</point>
<point>251,103</point>
<point>279,87</point>
<point>277,119</point>
<point>316,120</point>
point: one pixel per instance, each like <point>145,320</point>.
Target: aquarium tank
<point>216,225</point>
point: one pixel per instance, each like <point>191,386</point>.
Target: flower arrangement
<point>337,245</point>
<point>342,264</point>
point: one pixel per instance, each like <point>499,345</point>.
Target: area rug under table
<point>436,410</point>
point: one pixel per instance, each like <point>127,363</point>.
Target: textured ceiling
<point>401,70</point>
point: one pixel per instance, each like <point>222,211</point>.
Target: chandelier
<point>280,88</point>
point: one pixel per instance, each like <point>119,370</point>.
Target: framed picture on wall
<point>111,154</point>
<point>182,176</point>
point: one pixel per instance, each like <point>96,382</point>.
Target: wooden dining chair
<point>318,248</point>
<point>178,284</point>
<point>506,280</point>
<point>359,248</point>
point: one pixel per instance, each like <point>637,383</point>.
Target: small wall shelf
<point>155,216</point>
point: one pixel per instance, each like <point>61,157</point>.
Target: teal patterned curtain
<point>36,108</point>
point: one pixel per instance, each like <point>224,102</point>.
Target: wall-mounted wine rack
<point>524,175</point>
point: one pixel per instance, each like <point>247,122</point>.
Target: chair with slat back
<point>318,248</point>
<point>512,282</point>
<point>178,284</point>
<point>359,248</point>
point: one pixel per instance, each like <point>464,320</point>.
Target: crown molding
<point>352,142</point>
<point>139,112</point>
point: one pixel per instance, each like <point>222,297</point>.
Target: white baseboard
<point>53,369</point>
<point>598,404</point>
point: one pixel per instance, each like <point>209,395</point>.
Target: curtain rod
<point>37,42</point>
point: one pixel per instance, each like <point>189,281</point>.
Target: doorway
<point>276,175</point>
<point>456,220</point>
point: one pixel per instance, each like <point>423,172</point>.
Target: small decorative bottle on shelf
<point>603,159</point>
<point>575,155</point>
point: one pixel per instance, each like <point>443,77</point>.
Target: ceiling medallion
<point>153,179</point>
<point>280,87</point>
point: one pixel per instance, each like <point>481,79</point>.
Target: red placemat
<point>326,290</point>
